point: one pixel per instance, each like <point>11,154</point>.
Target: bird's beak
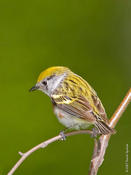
<point>34,88</point>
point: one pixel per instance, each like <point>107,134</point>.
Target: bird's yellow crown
<point>51,71</point>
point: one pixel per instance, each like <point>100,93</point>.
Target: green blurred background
<point>93,38</point>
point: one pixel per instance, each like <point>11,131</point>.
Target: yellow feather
<point>50,71</point>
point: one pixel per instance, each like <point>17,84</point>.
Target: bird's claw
<point>63,137</point>
<point>95,132</point>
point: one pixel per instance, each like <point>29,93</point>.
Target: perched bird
<point>75,102</point>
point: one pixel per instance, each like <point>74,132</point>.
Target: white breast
<point>70,121</point>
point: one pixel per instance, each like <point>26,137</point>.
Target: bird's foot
<point>63,137</point>
<point>95,132</point>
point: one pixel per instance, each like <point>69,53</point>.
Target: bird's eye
<point>44,83</point>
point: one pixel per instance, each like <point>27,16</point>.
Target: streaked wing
<point>78,109</point>
<point>77,98</point>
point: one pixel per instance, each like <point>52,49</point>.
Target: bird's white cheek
<point>54,83</point>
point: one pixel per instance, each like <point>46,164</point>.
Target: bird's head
<point>50,79</point>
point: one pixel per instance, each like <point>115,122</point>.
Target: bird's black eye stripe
<point>44,83</point>
<point>50,77</point>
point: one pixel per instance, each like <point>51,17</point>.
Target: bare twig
<point>99,151</point>
<point>43,145</point>
<point>99,147</point>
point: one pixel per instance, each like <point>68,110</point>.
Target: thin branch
<point>43,145</point>
<point>99,152</point>
<point>99,147</point>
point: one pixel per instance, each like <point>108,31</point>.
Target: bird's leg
<point>63,137</point>
<point>95,132</point>
<point>62,133</point>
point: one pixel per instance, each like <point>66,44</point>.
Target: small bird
<point>75,102</point>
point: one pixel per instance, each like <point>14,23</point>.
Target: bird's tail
<point>104,128</point>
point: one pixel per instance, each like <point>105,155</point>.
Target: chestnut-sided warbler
<point>75,102</point>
